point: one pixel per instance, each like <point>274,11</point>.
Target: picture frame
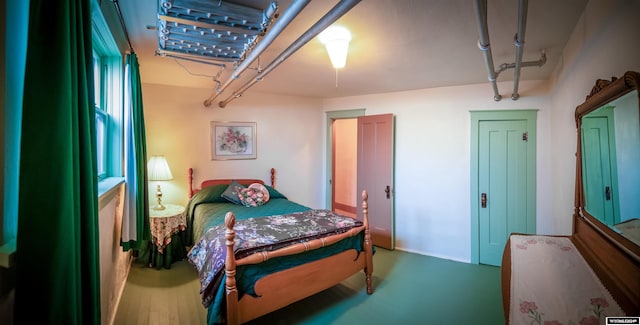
<point>233,140</point>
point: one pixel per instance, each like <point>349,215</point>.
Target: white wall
<point>432,160</point>
<point>603,45</point>
<point>289,139</point>
<point>432,134</point>
<point>114,263</point>
<point>432,183</point>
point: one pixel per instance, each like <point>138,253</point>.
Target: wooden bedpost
<point>273,177</point>
<point>230,270</point>
<point>190,182</point>
<point>368,244</point>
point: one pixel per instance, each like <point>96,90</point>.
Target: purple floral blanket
<point>260,234</point>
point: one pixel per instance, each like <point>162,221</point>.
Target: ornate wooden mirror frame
<point>613,257</point>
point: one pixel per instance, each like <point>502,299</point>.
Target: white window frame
<point>111,91</point>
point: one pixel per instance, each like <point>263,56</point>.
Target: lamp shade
<point>158,169</point>
<point>336,39</point>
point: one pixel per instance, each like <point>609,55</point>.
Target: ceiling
<point>396,45</point>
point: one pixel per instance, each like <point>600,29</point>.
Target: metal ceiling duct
<point>518,41</point>
<point>219,30</point>
<point>292,11</point>
<point>485,47</point>
<point>232,31</point>
<point>334,14</point>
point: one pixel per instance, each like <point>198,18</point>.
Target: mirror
<point>610,137</point>
<point>607,173</point>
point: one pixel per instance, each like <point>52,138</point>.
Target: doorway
<point>331,183</point>
<point>358,159</point>
<point>345,166</point>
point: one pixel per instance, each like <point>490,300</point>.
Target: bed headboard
<point>211,182</point>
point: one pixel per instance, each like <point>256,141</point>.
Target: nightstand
<point>167,235</point>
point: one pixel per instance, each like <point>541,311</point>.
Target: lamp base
<point>159,206</point>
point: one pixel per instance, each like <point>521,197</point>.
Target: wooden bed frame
<point>613,258</point>
<point>211,182</point>
<point>283,288</point>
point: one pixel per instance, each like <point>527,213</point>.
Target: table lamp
<point>158,169</point>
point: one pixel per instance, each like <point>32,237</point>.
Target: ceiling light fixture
<point>336,39</point>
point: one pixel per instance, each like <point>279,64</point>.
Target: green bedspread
<point>207,209</point>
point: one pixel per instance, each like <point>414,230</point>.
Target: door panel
<point>375,174</point>
<point>601,190</point>
<point>503,180</point>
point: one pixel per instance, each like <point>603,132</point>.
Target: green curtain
<point>57,259</point>
<point>136,230</point>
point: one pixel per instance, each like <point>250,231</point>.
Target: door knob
<point>388,191</point>
<point>607,192</point>
<point>484,199</point>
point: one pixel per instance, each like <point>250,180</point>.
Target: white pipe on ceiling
<point>540,62</point>
<point>334,14</point>
<point>518,41</point>
<point>292,11</point>
<point>484,45</point>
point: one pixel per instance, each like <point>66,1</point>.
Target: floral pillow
<point>254,195</point>
<point>232,193</point>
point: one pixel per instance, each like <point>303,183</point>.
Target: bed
<point>252,260</point>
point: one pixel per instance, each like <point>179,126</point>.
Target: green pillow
<point>273,194</point>
<point>232,191</point>
<point>210,194</point>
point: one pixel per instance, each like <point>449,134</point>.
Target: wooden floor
<point>166,296</point>
<point>409,289</point>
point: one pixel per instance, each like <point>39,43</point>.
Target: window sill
<point>7,254</point>
<point>108,184</point>
<point>8,250</point>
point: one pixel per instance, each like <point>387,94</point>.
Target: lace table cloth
<point>165,223</point>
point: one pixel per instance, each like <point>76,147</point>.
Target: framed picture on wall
<point>233,140</point>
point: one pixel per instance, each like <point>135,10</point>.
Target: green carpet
<point>409,289</point>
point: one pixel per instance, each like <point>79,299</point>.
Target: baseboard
<point>444,257</point>
<point>114,312</point>
<point>344,207</point>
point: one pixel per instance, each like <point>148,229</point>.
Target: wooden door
<point>375,174</point>
<point>504,184</point>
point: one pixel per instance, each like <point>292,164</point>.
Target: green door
<point>600,184</point>
<point>504,190</point>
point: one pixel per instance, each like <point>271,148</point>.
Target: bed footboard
<point>282,288</point>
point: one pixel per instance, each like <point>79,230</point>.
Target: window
<point>108,81</point>
<point>100,73</point>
